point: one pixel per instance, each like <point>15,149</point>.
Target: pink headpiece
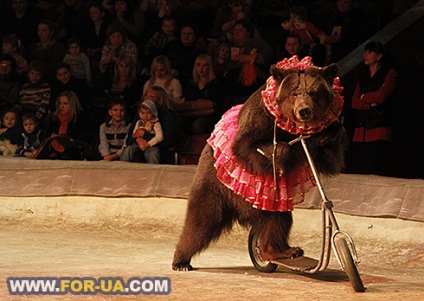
<point>285,122</point>
<point>294,62</point>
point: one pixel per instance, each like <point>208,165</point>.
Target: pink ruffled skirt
<point>256,189</point>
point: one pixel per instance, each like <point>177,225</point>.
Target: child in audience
<point>78,60</point>
<point>10,128</point>
<point>147,133</point>
<point>157,42</point>
<point>34,96</point>
<point>12,45</point>
<point>113,132</point>
<point>221,59</point>
<point>32,136</point>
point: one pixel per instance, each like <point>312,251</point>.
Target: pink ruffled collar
<point>290,125</point>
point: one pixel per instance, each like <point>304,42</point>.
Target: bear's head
<point>304,95</point>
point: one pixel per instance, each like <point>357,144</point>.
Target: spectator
<point>69,138</point>
<point>147,134</point>
<point>157,42</point>
<point>225,18</point>
<point>166,116</point>
<point>65,82</point>
<point>205,86</point>
<point>130,18</point>
<point>347,28</point>
<point>221,58</point>
<point>125,84</point>
<point>32,136</point>
<point>96,31</point>
<point>249,64</point>
<point>9,82</point>
<point>300,25</point>
<point>22,21</point>
<point>293,46</point>
<point>47,50</point>
<point>371,102</point>
<point>71,19</point>
<point>10,128</point>
<point>183,51</point>
<point>117,44</point>
<point>12,46</point>
<point>78,61</point>
<point>162,76</point>
<point>113,132</point>
<point>34,95</point>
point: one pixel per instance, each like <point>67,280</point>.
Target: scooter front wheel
<point>349,265</point>
<point>255,255</point>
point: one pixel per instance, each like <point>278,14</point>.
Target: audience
<point>205,86</point>
<point>9,82</point>
<point>162,76</point>
<point>48,51</point>
<point>371,103</point>
<point>240,58</point>
<point>69,138</point>
<point>78,60</point>
<point>130,18</point>
<point>34,95</point>
<point>183,51</point>
<point>117,44</point>
<point>249,64</point>
<point>147,134</point>
<point>12,46</point>
<point>32,136</point>
<point>157,42</point>
<point>10,128</point>
<point>112,133</point>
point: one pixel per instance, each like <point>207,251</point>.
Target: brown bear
<point>249,173</point>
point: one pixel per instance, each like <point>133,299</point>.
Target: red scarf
<point>64,121</point>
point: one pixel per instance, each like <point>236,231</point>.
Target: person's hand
<point>243,58</point>
<point>139,133</point>
<point>332,39</point>
<point>142,144</point>
<point>29,154</point>
<point>111,157</point>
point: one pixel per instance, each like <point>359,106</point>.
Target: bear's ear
<point>330,72</point>
<point>278,73</point>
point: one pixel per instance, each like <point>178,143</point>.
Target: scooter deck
<point>301,263</point>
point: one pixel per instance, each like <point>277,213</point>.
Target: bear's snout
<point>303,112</point>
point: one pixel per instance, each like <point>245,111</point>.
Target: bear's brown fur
<point>213,208</point>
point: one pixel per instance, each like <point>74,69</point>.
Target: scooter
<point>332,238</point>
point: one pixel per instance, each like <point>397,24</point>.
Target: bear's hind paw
<point>184,267</point>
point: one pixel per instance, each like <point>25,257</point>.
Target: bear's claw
<point>184,267</point>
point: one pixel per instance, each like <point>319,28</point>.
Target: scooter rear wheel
<point>255,255</point>
<point>349,265</point>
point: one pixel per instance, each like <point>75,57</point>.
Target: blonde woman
<point>162,76</point>
<point>205,86</point>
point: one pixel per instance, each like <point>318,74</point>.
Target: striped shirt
<point>112,138</point>
<point>35,98</point>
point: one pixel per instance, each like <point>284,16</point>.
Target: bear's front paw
<point>185,267</point>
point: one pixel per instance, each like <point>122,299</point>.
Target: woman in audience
<point>162,76</point>
<point>47,50</point>
<point>67,131</point>
<point>205,85</point>
<point>117,44</point>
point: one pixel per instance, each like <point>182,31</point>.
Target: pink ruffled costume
<point>256,188</point>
